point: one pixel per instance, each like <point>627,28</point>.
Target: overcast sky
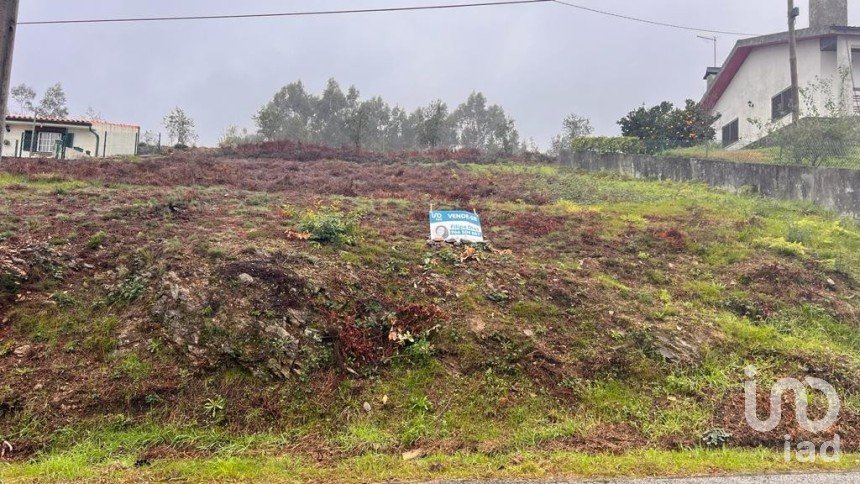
<point>540,62</point>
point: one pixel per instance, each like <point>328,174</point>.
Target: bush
<point>606,144</point>
<point>329,226</point>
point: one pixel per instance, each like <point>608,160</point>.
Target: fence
<point>813,143</point>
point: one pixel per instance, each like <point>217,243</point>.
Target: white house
<point>751,91</point>
<point>68,138</point>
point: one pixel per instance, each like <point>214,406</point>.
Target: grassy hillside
<point>290,315</point>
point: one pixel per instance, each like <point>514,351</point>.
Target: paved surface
<point>849,477</point>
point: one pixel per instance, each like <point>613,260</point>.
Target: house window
<point>730,133</point>
<point>781,105</point>
<point>47,142</point>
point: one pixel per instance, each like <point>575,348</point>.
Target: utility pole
<point>8,24</point>
<point>793,13</point>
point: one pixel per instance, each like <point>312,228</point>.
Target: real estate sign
<point>455,226</point>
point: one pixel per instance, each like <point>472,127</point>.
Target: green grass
<point>380,467</point>
<point>465,389</point>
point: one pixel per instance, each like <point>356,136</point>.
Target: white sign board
<point>455,226</point>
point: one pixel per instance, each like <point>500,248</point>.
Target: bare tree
<point>25,97</point>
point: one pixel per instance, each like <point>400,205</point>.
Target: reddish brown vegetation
<point>535,224</point>
<point>304,178</point>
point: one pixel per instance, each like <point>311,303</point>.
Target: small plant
<point>130,289</point>
<point>96,240</point>
<point>63,299</point>
<point>498,296</point>
<point>716,438</point>
<point>420,351</point>
<point>134,368</point>
<point>154,346</point>
<point>420,405</point>
<point>329,226</point>
<point>215,406</point>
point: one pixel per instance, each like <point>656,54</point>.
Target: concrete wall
<point>832,188</point>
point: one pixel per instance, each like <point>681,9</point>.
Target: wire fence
<point>801,152</point>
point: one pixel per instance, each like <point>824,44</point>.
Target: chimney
<point>711,75</point>
<point>827,13</point>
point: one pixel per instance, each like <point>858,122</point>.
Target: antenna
<point>714,40</point>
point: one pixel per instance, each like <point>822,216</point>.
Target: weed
<point>330,226</point>
<point>716,438</point>
<point>96,240</point>
<point>214,407</point>
<point>135,368</point>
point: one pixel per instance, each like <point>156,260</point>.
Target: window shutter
<point>28,141</point>
<point>69,140</point>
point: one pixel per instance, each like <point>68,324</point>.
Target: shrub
<point>96,240</point>
<point>607,144</point>
<point>329,226</point>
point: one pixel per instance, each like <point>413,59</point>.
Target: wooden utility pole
<point>793,13</point>
<point>8,24</point>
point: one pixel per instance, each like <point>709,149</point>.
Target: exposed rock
<point>414,454</point>
<point>211,320</point>
<point>24,351</point>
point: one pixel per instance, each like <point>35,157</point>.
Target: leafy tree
<point>484,127</point>
<point>505,137</point>
<point>401,131</point>
<point>665,126</point>
<point>330,116</point>
<point>180,127</point>
<point>367,121</point>
<point>25,97</point>
<point>288,115</point>
<point>433,126</point>
<point>336,118</point>
<point>573,127</point>
<point>54,102</point>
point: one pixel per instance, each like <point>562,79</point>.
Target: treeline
<point>338,118</point>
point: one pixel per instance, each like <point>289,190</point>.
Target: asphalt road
<point>822,478</point>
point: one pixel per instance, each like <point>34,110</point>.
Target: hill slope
<point>216,305</point>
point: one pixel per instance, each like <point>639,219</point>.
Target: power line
<point>653,22</point>
<point>282,14</point>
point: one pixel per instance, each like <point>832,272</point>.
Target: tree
<point>25,97</point>
<point>506,138</point>
<point>665,126</point>
<point>400,133</point>
<point>433,126</point>
<point>54,102</point>
<point>289,115</point>
<point>92,114</point>
<point>573,127</point>
<point>180,127</point>
<point>330,115</point>
<point>486,128</point>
